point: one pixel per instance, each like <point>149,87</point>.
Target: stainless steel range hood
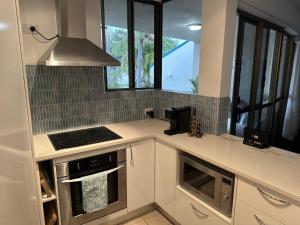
<point>72,48</point>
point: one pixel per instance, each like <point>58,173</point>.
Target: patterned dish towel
<point>94,192</point>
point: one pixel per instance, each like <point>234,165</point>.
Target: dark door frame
<point>253,105</point>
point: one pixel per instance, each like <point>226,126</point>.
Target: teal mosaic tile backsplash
<point>74,97</point>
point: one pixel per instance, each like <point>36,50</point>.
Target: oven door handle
<point>81,178</point>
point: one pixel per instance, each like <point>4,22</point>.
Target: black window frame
<point>131,50</point>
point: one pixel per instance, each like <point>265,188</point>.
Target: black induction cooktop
<point>82,137</point>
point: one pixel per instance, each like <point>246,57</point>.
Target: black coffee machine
<point>180,120</point>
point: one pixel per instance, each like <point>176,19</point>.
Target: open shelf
<point>48,196</point>
<point>50,213</point>
<point>48,199</point>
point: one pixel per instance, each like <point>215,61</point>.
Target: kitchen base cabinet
<point>140,174</point>
<point>188,211</point>
<point>269,202</point>
<point>246,215</point>
<point>165,177</point>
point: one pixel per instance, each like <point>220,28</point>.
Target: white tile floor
<point>151,218</point>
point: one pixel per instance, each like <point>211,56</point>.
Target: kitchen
<point>113,112</point>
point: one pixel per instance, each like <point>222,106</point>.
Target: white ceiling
<point>296,3</point>
<point>178,14</point>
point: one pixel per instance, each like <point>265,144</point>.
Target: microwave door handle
<point>81,178</point>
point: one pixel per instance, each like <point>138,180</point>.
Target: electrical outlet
<point>26,28</point>
<point>148,110</point>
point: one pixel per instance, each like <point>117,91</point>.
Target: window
<point>132,33</point>
<point>181,46</point>
<point>116,42</point>
<point>144,45</point>
<point>153,55</point>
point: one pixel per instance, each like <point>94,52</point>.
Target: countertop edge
<point>180,148</point>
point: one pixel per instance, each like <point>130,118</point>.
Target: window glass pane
<point>117,42</point>
<point>181,46</point>
<point>269,66</point>
<point>245,75</point>
<point>264,79</point>
<point>282,67</point>
<point>144,45</point>
<point>247,63</point>
<point>262,66</point>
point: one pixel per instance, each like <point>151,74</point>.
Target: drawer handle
<point>198,212</point>
<point>259,221</point>
<point>269,196</point>
<point>131,156</point>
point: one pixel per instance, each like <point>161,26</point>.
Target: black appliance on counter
<point>256,138</point>
<point>180,120</point>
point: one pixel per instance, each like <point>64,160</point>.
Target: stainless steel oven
<point>209,183</point>
<point>70,193</point>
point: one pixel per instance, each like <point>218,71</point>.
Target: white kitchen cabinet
<point>247,215</point>
<point>18,189</point>
<point>268,202</point>
<point>140,174</point>
<point>165,177</point>
<point>189,211</point>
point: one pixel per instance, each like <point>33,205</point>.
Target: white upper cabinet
<point>140,174</point>
<point>165,177</point>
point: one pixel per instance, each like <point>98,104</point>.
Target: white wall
<point>217,44</point>
<point>42,13</point>
<point>179,67</point>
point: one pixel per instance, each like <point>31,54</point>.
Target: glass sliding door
<point>245,57</point>
<point>263,71</point>
<point>282,89</point>
<point>265,74</point>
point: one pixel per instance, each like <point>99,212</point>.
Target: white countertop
<point>273,168</point>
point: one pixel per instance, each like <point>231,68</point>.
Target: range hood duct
<point>72,47</point>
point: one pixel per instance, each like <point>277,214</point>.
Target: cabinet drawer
<point>246,215</point>
<point>188,211</point>
<point>269,202</point>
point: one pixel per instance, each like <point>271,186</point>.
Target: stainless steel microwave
<point>209,183</point>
